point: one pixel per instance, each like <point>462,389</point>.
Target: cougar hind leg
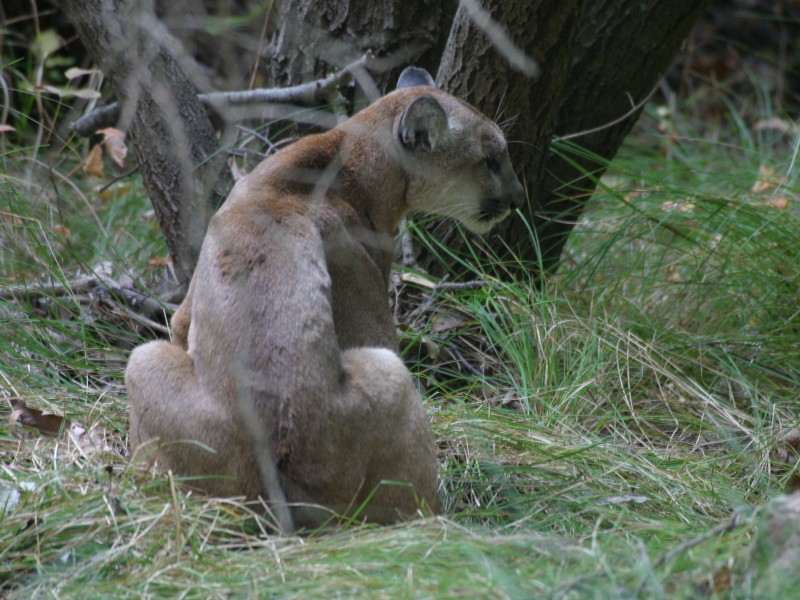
<point>191,433</point>
<point>374,456</point>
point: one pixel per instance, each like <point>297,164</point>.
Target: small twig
<point>262,138</point>
<point>261,40</point>
<point>124,301</point>
<point>54,288</point>
<point>105,116</point>
<point>142,320</point>
<point>463,361</point>
<point>447,285</point>
<point>306,94</point>
<point>734,522</point>
<point>632,111</point>
<point>127,173</point>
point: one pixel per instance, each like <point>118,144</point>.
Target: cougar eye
<point>492,164</point>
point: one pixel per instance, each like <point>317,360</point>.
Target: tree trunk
<point>597,60</point>
<point>176,146</point>
<point>623,50</point>
<point>472,69</point>
<point>315,37</point>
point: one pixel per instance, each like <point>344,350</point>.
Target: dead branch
<point>137,305</point>
<point>306,94</point>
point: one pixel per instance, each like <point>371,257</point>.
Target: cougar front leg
<point>371,452</point>
<point>192,435</point>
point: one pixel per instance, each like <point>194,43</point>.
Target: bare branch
<point>633,111</point>
<point>306,94</point>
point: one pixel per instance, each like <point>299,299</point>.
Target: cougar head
<point>456,158</point>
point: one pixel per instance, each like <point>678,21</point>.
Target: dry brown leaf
<point>89,441</point>
<point>46,424</point>
<point>94,162</point>
<point>780,202</point>
<point>720,581</point>
<point>631,196</point>
<point>114,141</point>
<point>767,179</point>
<point>673,274</point>
<point>447,321</point>
<point>160,261</point>
<point>775,124</point>
<point>62,230</point>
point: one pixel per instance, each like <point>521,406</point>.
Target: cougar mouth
<point>493,209</point>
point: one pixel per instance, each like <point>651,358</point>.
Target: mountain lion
<point>282,380</point>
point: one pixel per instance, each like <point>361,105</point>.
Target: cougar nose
<point>517,196</point>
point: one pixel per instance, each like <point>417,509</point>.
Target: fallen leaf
<point>775,124</point>
<point>114,141</point>
<point>61,92</point>
<point>779,203</point>
<point>512,402</point>
<point>624,499</point>
<point>160,261</point>
<point>718,583</point>
<point>419,280</point>
<point>766,180</point>
<point>94,162</point>
<point>47,42</point>
<point>631,196</point>
<point>46,424</point>
<point>89,441</point>
<point>673,274</point>
<point>62,230</point>
<point>447,321</point>
<point>75,72</point>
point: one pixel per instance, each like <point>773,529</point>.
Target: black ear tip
<point>415,77</point>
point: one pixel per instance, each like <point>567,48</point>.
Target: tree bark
<point>315,37</point>
<point>623,50</point>
<point>176,146</point>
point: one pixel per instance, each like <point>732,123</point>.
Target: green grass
<point>623,410</point>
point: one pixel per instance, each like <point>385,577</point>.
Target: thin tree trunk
<point>176,146</point>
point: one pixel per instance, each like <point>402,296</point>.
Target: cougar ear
<point>415,77</point>
<point>423,125</point>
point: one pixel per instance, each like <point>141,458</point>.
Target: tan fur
<point>283,347</point>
